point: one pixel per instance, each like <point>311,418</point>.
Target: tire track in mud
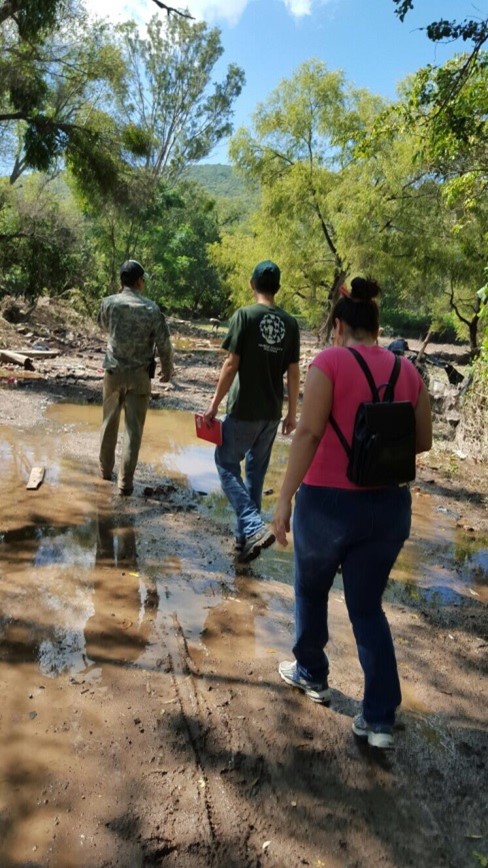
<point>221,813</point>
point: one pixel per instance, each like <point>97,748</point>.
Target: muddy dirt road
<point>143,722</point>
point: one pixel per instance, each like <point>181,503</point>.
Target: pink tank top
<point>349,389</point>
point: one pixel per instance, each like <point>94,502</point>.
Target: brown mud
<point>143,722</point>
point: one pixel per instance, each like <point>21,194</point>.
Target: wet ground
<point>143,722</point>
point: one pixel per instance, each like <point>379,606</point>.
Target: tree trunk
<point>326,329</point>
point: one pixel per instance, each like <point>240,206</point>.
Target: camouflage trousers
<point>130,390</point>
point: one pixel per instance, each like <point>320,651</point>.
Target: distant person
<point>136,329</point>
<point>263,343</point>
<point>339,524</point>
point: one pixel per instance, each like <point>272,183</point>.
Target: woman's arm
<point>292,388</point>
<point>423,422</point>
<point>317,402</point>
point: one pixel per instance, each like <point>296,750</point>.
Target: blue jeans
<point>363,532</point>
<point>252,442</point>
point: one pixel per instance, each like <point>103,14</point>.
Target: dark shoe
<point>253,545</point>
<point>125,492</point>
<point>316,691</point>
<point>378,734</point>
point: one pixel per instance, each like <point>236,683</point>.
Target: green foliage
<point>471,30</point>
<point>349,188</point>
<point>219,180</point>
<point>50,84</point>
<point>178,231</point>
<point>483,297</point>
<point>43,248</point>
<point>235,200</point>
<point>168,94</point>
<point>34,17</point>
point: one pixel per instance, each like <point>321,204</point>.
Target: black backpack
<point>382,451</point>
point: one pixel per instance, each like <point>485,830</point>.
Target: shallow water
<point>87,579</point>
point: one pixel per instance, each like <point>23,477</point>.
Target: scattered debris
<point>36,478</point>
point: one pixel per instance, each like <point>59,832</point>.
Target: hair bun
<point>364,289</point>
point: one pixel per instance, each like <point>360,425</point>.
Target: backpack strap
<point>340,435</point>
<point>388,396</point>
<point>390,386</point>
<point>367,373</point>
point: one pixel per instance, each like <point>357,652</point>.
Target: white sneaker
<point>317,692</point>
<point>378,734</point>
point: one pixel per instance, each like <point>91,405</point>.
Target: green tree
<point>55,73</point>
<point>169,106</point>
<point>443,176</point>
<point>299,152</point>
<point>170,115</point>
<point>43,242</point>
<point>179,229</point>
<point>469,30</point>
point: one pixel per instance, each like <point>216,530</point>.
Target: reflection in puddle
<point>86,581</point>
<point>169,444</point>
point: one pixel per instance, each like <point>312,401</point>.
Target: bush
<point>409,324</point>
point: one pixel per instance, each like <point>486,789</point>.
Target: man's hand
<point>210,414</point>
<point>289,423</point>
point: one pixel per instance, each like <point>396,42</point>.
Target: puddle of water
<point>440,564</point>
<point>169,444</point>
<point>84,583</point>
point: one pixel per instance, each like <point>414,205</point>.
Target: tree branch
<point>170,9</point>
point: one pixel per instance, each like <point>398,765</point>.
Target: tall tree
<point>169,105</point>
<point>298,150</point>
<point>170,115</point>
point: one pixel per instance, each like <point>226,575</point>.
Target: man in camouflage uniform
<point>135,327</point>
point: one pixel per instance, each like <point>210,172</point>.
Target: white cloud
<point>298,8</point>
<point>119,11</point>
<point>217,10</point>
<point>211,11</point>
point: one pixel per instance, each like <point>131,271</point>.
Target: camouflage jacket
<point>135,327</point>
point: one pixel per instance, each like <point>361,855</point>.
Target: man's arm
<point>292,387</point>
<point>165,349</point>
<point>226,378</point>
<point>101,317</point>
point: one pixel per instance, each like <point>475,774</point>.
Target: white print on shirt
<point>272,329</point>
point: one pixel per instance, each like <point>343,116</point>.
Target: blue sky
<point>269,39</point>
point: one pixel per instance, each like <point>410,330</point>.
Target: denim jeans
<point>363,532</point>
<point>251,442</point>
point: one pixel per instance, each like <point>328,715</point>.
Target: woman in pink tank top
<point>337,524</point>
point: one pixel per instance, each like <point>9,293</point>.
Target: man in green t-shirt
<point>263,344</point>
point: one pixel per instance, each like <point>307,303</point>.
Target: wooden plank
<point>17,359</point>
<point>36,477</point>
<point>39,354</point>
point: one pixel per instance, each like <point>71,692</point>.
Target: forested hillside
<point>220,180</point>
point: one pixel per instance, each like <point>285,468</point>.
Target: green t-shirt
<point>267,341</point>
